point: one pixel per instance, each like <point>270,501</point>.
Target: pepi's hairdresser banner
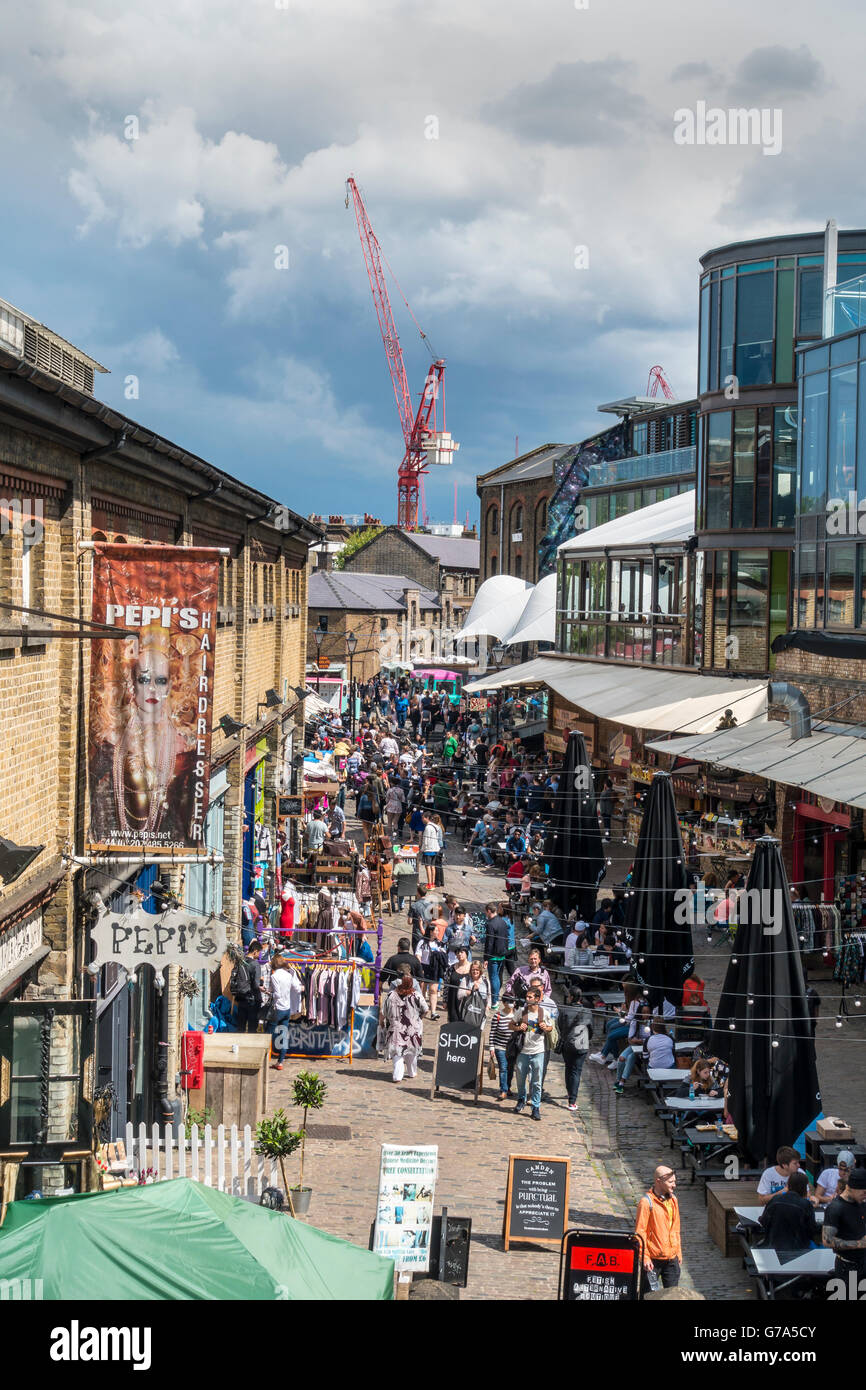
<point>151,697</point>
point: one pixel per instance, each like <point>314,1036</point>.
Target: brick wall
<point>532,497</point>
<point>391,553</point>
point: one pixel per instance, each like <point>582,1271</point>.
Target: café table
<point>663,1074</point>
<point>752,1215</point>
<point>775,1274</point>
<point>705,1146</point>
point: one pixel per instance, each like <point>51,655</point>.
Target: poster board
<point>291,806</point>
<point>404,1210</point>
<point>600,1267</point>
<point>459,1058</point>
<point>536,1200</point>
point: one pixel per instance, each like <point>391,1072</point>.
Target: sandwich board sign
<point>536,1200</point>
<point>600,1266</point>
<point>459,1054</point>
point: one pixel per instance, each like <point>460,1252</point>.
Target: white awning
<point>830,763</point>
<point>495,606</point>
<point>672,520</point>
<point>636,695</point>
<point>537,622</point>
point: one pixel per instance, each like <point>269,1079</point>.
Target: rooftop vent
<point>34,343</point>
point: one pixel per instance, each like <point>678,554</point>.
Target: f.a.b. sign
<point>457,1064</point>
<point>600,1266</point>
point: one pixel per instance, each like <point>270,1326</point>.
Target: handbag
<point>492,1068</point>
<point>514,1046</point>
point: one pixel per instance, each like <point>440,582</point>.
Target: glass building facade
<point>830,577</point>
<point>760,303</point>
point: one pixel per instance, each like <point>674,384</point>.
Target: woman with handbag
<point>503,1043</point>
<point>472,996</point>
<point>404,1009</point>
<point>454,981</point>
<point>575,1033</point>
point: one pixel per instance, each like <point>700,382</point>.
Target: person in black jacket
<point>402,960</point>
<point>788,1219</point>
<point>248,1002</point>
<point>495,949</point>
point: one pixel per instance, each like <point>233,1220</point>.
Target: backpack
<point>240,983</point>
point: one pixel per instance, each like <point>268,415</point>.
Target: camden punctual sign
<point>174,937</point>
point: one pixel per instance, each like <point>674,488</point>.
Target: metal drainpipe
<point>794,701</point>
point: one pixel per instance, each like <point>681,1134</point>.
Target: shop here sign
<point>404,1212</point>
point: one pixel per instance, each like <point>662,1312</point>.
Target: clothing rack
<point>329,964</point>
<point>377,931</point>
<point>820,924</point>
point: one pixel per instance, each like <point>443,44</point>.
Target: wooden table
<point>722,1200</point>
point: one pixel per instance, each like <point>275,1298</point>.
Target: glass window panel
<point>603,506</point>
<point>720,608</point>
<point>754,357</point>
<point>850,258</point>
<point>639,438</point>
<point>805,614</point>
<point>810,314</point>
<point>813,475</point>
<point>704,363</point>
<point>749,609</point>
<point>25,1120</point>
<point>841,460</point>
<point>26,1046</point>
<point>779,569</point>
<point>63,1114</point>
<point>844,351</point>
<point>861,560</point>
<point>749,267</point>
<point>646,603</point>
<point>726,352</point>
<point>784,326</point>
<point>729,270</point>
<point>744,469</point>
<point>784,465</point>
<point>810,260</point>
<point>718,470</point>
<point>615,567</point>
<point>714,337</point>
<point>816,359</point>
<point>785,261</point>
<point>840,585</point>
<point>861,438</point>
<point>819,586</point>
<point>763,468</point>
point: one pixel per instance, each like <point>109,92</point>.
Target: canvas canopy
<point>181,1240</point>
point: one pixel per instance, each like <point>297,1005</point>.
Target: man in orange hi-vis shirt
<point>658,1223</point>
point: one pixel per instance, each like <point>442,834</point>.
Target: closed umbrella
<point>762,1027</point>
<point>575,854</point>
<point>657,917</point>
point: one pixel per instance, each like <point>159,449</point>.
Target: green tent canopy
<point>181,1240</point>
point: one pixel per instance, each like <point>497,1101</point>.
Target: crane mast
<point>423,441</point>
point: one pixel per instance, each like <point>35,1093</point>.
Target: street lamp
<point>497,651</point>
<point>351,644</point>
<point>319,635</point>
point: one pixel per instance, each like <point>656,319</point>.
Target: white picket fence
<point>216,1156</point>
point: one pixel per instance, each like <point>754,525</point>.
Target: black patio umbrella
<point>762,1028</point>
<point>574,851</point>
<point>657,912</point>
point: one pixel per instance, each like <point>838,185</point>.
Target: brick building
<point>447,565</point>
<point>514,499</point>
<point>74,471</point>
<point>394,620</point>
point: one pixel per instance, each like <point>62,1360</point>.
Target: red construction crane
<point>658,379</point>
<point>424,442</point>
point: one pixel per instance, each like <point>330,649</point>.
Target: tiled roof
<point>537,464</point>
<point>454,552</point>
<point>356,592</point>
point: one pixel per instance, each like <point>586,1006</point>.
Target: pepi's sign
<point>174,937</point>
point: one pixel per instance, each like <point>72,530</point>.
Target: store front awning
<point>831,763</point>
<point>636,696</point>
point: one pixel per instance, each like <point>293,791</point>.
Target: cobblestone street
<point>614,1144</point>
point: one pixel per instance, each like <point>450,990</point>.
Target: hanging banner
<point>175,937</point>
<point>151,697</point>
<point>404,1213</point>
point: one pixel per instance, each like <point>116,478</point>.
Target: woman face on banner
<point>151,683</point>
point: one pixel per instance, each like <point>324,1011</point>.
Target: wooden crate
<point>235,1084</point>
<point>722,1197</point>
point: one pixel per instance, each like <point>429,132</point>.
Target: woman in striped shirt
<point>500,1036</point>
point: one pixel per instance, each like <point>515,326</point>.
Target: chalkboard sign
<point>291,806</point>
<point>450,1243</point>
<point>600,1267</point>
<point>536,1199</point>
<point>459,1054</point>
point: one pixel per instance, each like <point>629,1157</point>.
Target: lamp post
<point>319,635</point>
<point>497,651</point>
<point>351,644</point>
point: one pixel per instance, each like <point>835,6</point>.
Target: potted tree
<point>274,1139</point>
<point>309,1093</point>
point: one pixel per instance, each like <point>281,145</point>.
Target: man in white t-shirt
<point>775,1179</point>
<point>829,1179</point>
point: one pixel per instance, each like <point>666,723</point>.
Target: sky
<point>173,180</point>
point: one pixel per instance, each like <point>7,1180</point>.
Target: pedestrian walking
<point>472,996</point>
<point>495,948</point>
<point>531,1022</point>
<point>404,1010</point>
<point>658,1225</point>
<point>454,980</point>
<point>286,1000</point>
<point>245,985</point>
<point>430,848</point>
<point>575,1031</point>
<point>500,1037</point>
